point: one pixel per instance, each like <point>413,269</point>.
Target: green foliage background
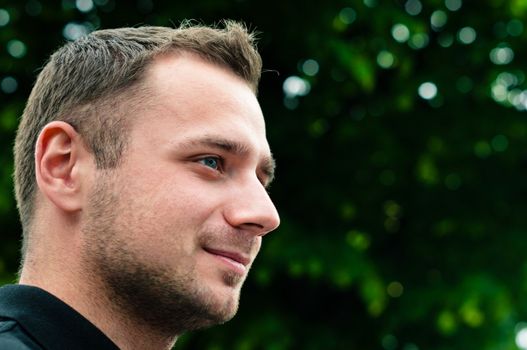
<point>403,219</point>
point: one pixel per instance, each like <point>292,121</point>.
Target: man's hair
<point>92,82</point>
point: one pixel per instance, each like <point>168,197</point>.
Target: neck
<point>127,332</point>
<point>67,280</point>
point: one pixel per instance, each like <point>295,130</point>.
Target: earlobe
<point>58,164</point>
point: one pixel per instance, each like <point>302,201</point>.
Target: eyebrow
<point>267,164</point>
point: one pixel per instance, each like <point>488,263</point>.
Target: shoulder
<point>13,337</point>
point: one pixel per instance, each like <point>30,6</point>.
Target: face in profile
<point>172,232</point>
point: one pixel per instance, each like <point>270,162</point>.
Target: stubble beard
<point>168,303</point>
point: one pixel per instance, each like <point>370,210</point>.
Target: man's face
<point>172,232</point>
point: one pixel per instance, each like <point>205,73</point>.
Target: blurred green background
<point>400,132</point>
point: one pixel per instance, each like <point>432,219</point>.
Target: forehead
<point>197,97</point>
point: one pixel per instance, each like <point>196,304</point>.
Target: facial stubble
<point>138,289</point>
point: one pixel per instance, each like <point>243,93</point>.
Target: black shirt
<point>31,318</point>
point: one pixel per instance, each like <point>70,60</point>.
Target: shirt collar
<point>53,323</point>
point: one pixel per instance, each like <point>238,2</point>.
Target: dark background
<point>403,209</point>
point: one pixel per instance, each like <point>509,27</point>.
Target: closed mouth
<point>235,256</point>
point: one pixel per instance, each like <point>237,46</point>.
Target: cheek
<point>173,194</point>
<point>187,195</point>
<point>165,215</point>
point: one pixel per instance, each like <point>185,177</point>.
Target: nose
<point>250,208</point>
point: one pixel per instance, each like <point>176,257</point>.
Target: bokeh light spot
<point>389,342</point>
<point>521,338</point>
<point>348,211</point>
<point>296,86</point>
<point>445,40</point>
<point>435,144</point>
<point>515,27</point>
<point>73,31</point>
<point>16,48</point>
<point>507,79</point>
<point>392,209</point>
<point>4,17</point>
<point>262,276</point>
<point>427,90</point>
<point>342,278</point>
<point>438,19</point>
<point>395,289</point>
<point>291,103</point>
<point>453,5</point>
<point>9,85</point>
<point>466,35</point>
<point>418,41</point>
<point>347,15</point>
<point>310,67</point>
<point>427,171</point>
<point>385,59</point>
<point>442,228</point>
<point>84,5</point>
<point>446,322</point>
<point>501,55</point>
<point>400,32</point>
<point>413,7</point>
<point>471,314</point>
<point>499,92</point>
<point>500,143</point>
<point>318,127</point>
<point>295,268</point>
<point>482,149</point>
<point>358,240</point>
<point>516,97</point>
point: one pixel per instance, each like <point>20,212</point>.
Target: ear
<point>60,161</point>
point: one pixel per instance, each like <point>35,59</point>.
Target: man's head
<point>94,82</point>
<point>149,144</point>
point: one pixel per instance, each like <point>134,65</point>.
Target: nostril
<point>253,226</point>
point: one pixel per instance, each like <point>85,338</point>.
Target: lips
<point>235,256</point>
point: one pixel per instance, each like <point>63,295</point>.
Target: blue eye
<point>211,162</point>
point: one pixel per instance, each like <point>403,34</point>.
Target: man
<point>141,166</point>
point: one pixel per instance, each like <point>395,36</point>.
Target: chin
<point>227,305</point>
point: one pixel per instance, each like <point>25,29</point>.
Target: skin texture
<point>161,244</point>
